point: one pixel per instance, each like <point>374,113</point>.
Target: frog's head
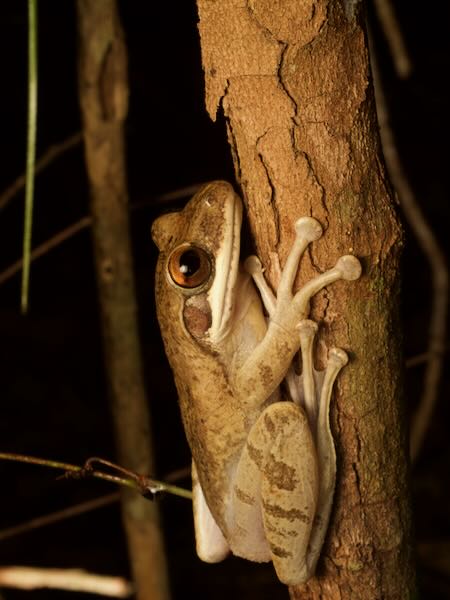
<point>199,259</point>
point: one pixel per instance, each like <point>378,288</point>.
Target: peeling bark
<point>293,80</point>
<point>103,89</point>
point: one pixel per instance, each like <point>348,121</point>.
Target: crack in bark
<point>322,190</point>
<point>231,135</point>
<point>272,195</point>
<point>284,87</point>
<point>326,299</point>
<point>357,481</point>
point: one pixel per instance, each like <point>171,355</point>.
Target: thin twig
<point>79,509</point>
<point>420,359</point>
<point>31,152</point>
<point>53,152</point>
<point>60,515</point>
<point>178,474</point>
<point>169,197</point>
<point>139,483</point>
<point>394,37</point>
<point>438,268</point>
<point>75,580</point>
<point>46,246</point>
<point>85,222</point>
<point>68,468</point>
<point>144,484</point>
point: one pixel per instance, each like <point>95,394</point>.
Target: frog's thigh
<point>279,467</point>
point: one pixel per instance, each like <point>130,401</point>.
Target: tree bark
<point>103,89</point>
<point>293,80</point>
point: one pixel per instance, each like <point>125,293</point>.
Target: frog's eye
<point>189,266</point>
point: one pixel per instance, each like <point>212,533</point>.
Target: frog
<point>263,455</point>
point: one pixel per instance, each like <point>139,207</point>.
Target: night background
<point>53,393</point>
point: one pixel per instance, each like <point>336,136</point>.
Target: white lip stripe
<point>220,294</point>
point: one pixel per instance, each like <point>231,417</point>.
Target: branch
<point>46,159</point>
<point>74,580</point>
<point>59,515</point>
<point>103,94</point>
<point>394,37</point>
<point>85,222</point>
<point>139,483</point>
<point>83,507</point>
<point>439,271</point>
<point>48,245</point>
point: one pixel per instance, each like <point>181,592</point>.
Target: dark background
<point>52,384</point>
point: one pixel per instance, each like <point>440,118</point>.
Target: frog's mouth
<point>221,294</point>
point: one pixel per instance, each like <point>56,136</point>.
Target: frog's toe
<point>338,357</point>
<point>307,327</point>
<point>308,228</point>
<point>253,265</point>
<point>349,266</point>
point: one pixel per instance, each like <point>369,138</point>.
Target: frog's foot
<point>316,386</point>
<point>315,389</point>
<point>347,267</point>
<point>253,266</point>
<point>307,230</point>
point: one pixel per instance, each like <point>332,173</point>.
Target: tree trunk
<point>294,83</point>
<point>103,89</point>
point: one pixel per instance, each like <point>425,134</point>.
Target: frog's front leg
<point>272,357</point>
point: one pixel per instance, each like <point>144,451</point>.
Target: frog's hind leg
<point>316,389</point>
<point>337,359</point>
<point>211,545</point>
<point>276,492</point>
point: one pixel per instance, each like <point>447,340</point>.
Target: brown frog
<point>263,460</point>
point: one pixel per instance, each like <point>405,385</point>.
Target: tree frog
<point>263,456</point>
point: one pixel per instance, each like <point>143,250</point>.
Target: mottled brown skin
<point>206,398</point>
<point>255,456</point>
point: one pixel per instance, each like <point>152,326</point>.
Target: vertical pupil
<point>189,263</point>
